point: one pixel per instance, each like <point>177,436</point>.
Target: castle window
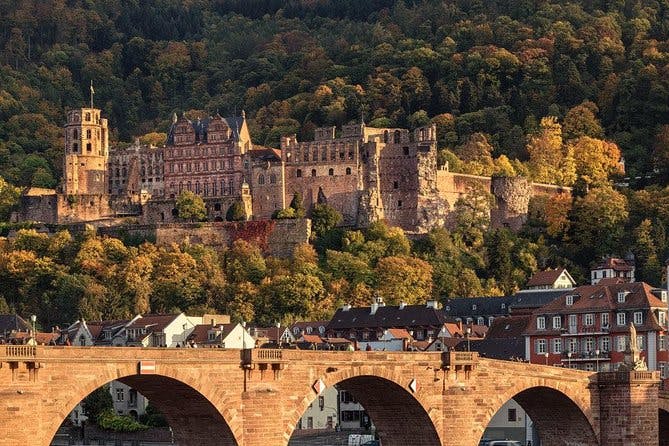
<point>88,116</point>
<point>118,172</point>
<point>331,172</point>
<point>197,167</point>
<point>348,171</point>
<point>397,136</point>
<point>222,187</point>
<point>313,172</point>
<point>385,136</point>
<point>324,155</point>
<point>396,185</point>
<point>197,187</point>
<point>188,167</point>
<point>214,192</point>
<point>75,134</point>
<point>206,189</point>
<point>298,173</point>
<point>230,187</point>
<point>406,151</point>
<point>181,187</point>
<point>306,156</point>
<point>230,150</point>
<point>399,204</point>
<point>88,134</point>
<point>75,147</point>
<point>189,186</point>
<point>171,168</point>
<point>261,179</point>
<point>333,154</point>
<point>350,155</point>
<point>315,156</point>
<point>89,147</point>
<point>272,179</point>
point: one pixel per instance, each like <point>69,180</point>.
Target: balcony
<point>584,331</point>
<point>586,356</point>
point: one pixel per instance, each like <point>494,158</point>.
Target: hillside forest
<point>574,93</point>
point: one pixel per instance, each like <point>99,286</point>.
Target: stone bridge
<point>256,397</point>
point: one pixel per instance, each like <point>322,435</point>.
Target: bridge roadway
<point>256,397</point>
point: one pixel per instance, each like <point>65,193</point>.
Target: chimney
<point>373,308</point>
<point>432,304</point>
<point>402,305</point>
<point>346,307</point>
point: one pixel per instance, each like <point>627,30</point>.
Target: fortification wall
<point>274,237</point>
<point>82,208</point>
<point>512,194</point>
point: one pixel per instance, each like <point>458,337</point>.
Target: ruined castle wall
<point>164,211</point>
<point>398,183</point>
<point>452,186</point>
<point>267,186</point>
<point>40,208</point>
<point>81,208</point>
<point>278,238</point>
<point>512,196</point>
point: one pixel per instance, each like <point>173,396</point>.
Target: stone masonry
<point>256,397</point>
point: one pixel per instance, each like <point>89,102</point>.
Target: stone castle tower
<point>86,153</point>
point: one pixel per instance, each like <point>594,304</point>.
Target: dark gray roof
<point>387,317</point>
<point>506,349</point>
<point>200,126</point>
<point>12,322</point>
<point>536,298</point>
<point>461,307</point>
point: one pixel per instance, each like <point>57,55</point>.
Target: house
<point>369,324</point>
<point>392,339</point>
<point>613,268</point>
<point>551,279</point>
<point>504,340</point>
<point>322,413</point>
<point>160,330</point>
<point>220,336</point>
<point>313,327</point>
<point>110,333</point>
<point>588,328</point>
<point>272,337</point>
<point>77,333</point>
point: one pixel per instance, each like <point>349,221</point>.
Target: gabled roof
<point>12,322</point>
<point>508,327</point>
<point>265,153</point>
<point>548,277</point>
<point>201,127</point>
<point>387,317</point>
<point>200,334</point>
<point>462,307</point>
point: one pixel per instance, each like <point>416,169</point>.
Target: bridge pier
<point>627,402</point>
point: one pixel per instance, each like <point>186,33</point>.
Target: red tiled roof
<point>547,277</point>
<point>314,339</point>
<point>601,298</point>
<point>399,333</point>
<point>614,264</point>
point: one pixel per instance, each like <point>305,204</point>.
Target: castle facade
<point>365,173</point>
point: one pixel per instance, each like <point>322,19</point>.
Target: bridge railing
<point>456,360</point>
<point>627,376</point>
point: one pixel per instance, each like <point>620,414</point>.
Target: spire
<point>243,114</point>
<point>175,118</point>
<point>92,93</point>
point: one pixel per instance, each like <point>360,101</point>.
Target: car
<point>504,443</point>
<point>372,443</point>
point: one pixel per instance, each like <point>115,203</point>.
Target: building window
<point>88,134</point>
<point>313,172</point>
<point>638,318</point>
<point>621,343</point>
<point>605,344</point>
<point>331,172</point>
<point>474,307</point>
<point>396,185</point>
<point>261,179</point>
<point>348,171</point>
<point>557,322</point>
<point>541,346</point>
<point>541,323</point>
<point>570,300</point>
<point>399,204</point>
<point>589,319</point>
<point>89,147</point>
<point>511,415</point>
<point>490,319</point>
<point>620,318</point>
<point>621,296</point>
<point>88,117</point>
<point>272,179</point>
<point>573,345</point>
<point>298,173</point>
<point>75,147</point>
<point>664,370</point>
<point>480,320</point>
<point>662,342</point>
<point>405,151</point>
<point>589,344</point>
<point>557,345</point>
<point>641,342</point>
<point>120,395</point>
<point>605,319</point>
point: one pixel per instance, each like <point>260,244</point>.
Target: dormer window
<point>321,329</point>
<point>638,318</point>
<point>570,300</point>
<point>474,307</point>
<point>557,322</point>
<point>212,335</point>
<point>541,323</point>
<point>621,296</point>
<point>309,330</point>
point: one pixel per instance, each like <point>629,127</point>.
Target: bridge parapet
<point>19,352</point>
<point>606,378</point>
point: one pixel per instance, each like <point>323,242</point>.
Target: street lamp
<point>243,335</point>
<point>569,359</point>
<point>597,359</point>
<point>33,319</point>
<point>468,332</point>
<point>546,356</point>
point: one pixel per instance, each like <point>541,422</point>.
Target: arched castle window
<point>405,151</point>
<point>206,189</point>
<point>385,136</point>
<point>313,172</point>
<point>261,179</point>
<point>125,172</point>
<point>348,171</point>
<point>181,186</point>
<point>222,187</point>
<point>315,155</point>
<point>272,179</point>
<point>306,156</point>
<point>396,139</point>
<point>331,172</point>
<point>118,172</point>
<point>88,134</point>
<point>189,186</point>
<point>298,173</point>
<point>214,189</point>
<point>88,116</point>
<point>89,147</point>
<point>197,187</point>
<point>230,188</point>
<point>324,154</point>
<point>75,134</point>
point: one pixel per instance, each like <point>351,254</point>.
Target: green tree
<point>9,198</point>
<point>190,206</point>
<point>404,279</point>
<point>598,221</point>
<point>297,206</point>
<point>97,402</point>
<point>324,218</point>
<point>236,212</point>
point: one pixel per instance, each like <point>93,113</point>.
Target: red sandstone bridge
<point>256,397</point>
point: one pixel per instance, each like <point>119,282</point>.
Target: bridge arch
<point>192,405</point>
<point>541,399</point>
<point>401,417</point>
<point>663,421</point>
